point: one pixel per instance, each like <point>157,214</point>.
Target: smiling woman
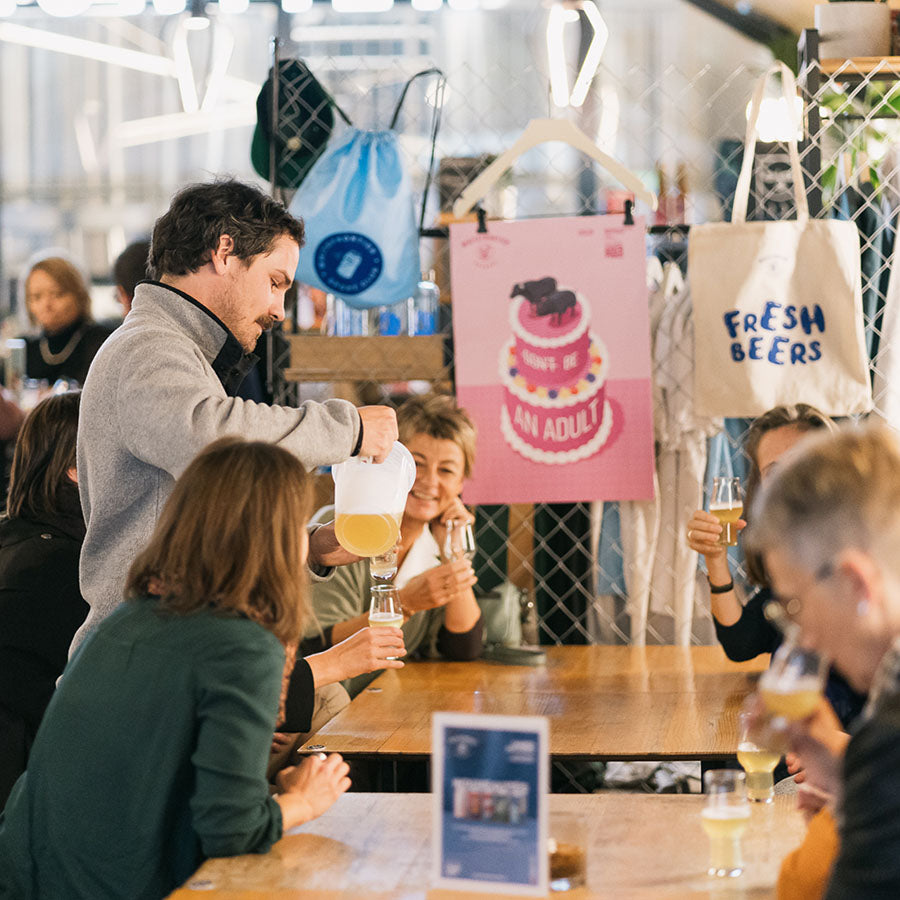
<point>442,615</point>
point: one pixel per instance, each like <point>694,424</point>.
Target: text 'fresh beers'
<point>776,334</point>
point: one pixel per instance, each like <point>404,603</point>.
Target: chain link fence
<point>661,103</point>
<point>681,130</point>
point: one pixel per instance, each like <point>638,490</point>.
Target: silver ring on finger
<point>690,535</point>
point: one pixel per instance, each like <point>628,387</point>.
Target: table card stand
<point>490,777</point>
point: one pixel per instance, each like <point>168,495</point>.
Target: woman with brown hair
<point>40,603</point>
<point>742,627</point>
<point>152,754</point>
<point>58,302</point>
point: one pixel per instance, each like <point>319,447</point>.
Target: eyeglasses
<point>793,605</point>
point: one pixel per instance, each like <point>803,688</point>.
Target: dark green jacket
<point>151,756</point>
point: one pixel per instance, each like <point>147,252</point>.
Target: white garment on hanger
<point>681,464</point>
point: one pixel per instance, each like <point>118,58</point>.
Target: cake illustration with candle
<point>553,371</point>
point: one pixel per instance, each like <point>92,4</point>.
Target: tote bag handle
<point>435,127</point>
<point>789,94</point>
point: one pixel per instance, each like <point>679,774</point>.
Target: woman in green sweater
<point>152,753</point>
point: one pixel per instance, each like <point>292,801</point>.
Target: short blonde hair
<point>229,537</point>
<point>834,491</point>
<point>438,416</point>
<point>68,279</point>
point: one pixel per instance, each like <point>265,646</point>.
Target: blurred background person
<point>40,603</point>
<point>58,302</point>
<point>129,268</point>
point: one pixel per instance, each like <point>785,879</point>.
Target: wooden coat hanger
<point>540,131</point>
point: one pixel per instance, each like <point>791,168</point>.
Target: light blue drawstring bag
<point>362,239</point>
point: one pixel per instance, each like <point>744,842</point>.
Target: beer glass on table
<point>792,685</point>
<point>384,608</point>
<point>727,505</point>
<point>758,761</point>
<point>725,818</point>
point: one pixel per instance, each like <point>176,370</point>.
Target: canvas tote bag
<point>777,305</point>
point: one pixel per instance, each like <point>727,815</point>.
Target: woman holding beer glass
<point>442,616</point>
<point>742,627</point>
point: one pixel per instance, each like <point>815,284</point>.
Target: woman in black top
<point>58,302</point>
<point>743,629</point>
<point>40,604</point>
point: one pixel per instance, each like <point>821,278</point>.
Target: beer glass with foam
<point>727,505</point>
<point>793,683</point>
<point>725,817</point>
<point>369,499</point>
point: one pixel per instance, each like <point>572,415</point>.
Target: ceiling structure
<point>792,14</point>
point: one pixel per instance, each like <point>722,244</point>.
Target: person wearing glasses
<point>827,529</point>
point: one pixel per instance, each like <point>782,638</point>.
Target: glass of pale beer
<point>384,608</point>
<point>727,505</point>
<point>757,760</point>
<point>725,818</point>
<point>792,685</point>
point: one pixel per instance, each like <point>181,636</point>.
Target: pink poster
<point>552,349</point>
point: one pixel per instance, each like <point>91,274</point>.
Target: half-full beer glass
<point>757,760</point>
<point>725,819</point>
<point>727,505</point>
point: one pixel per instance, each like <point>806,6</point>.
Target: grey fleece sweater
<point>151,402</point>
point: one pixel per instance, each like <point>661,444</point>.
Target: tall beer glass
<point>725,819</point>
<point>727,505</point>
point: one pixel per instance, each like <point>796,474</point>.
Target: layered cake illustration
<point>553,372</point>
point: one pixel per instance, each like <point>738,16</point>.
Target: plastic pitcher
<point>369,499</point>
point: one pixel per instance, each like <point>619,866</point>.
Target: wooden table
<point>603,703</point>
<point>378,846</point>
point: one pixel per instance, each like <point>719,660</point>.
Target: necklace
<point>54,359</point>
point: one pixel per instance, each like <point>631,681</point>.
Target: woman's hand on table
<point>311,787</point>
<point>703,532</point>
<point>438,586</point>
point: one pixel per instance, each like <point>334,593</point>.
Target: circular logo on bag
<point>348,262</point>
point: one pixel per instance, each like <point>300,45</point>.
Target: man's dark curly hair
<point>187,234</point>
